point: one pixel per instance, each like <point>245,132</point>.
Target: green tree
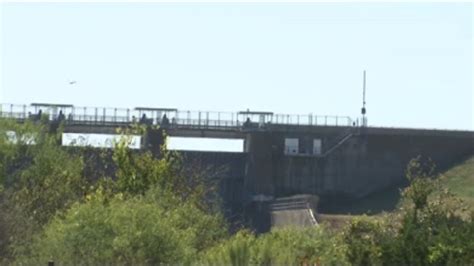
<point>288,246</point>
<point>39,179</point>
<point>432,227</point>
<point>137,172</point>
<point>127,230</point>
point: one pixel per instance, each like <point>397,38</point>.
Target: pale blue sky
<point>286,58</point>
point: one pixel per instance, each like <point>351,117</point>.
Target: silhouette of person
<point>247,122</point>
<point>165,121</point>
<point>40,113</point>
<point>61,115</point>
<point>143,119</point>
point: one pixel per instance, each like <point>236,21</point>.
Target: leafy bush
<point>234,251</point>
<point>290,246</point>
<point>299,246</point>
<point>138,172</point>
<point>136,230</point>
<point>38,181</point>
<point>431,228</point>
<point>364,239</point>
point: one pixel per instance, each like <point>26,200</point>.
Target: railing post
<point>103,115</point>
<point>336,120</point>
<point>326,120</point>
<point>199,119</point>
<point>115,115</point>
<point>85,112</point>
<point>128,115</point>
<point>24,111</point>
<point>96,115</point>
<point>218,119</point>
<point>207,119</point>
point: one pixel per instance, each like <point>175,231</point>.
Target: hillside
<point>460,181</point>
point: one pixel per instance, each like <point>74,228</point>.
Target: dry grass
<point>460,181</point>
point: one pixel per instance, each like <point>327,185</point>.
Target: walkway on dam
<point>103,116</point>
<point>104,120</point>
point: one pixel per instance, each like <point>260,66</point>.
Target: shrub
<point>37,181</point>
<point>234,251</point>
<point>299,246</point>
<point>431,228</point>
<point>290,246</point>
<point>121,230</point>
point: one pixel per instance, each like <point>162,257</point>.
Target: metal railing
<point>178,118</point>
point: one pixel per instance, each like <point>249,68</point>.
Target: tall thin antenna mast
<point>363,111</point>
<point>364,90</point>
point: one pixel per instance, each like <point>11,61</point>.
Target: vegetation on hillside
<point>460,181</point>
<point>149,212</point>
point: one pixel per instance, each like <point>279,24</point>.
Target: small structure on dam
<point>284,155</point>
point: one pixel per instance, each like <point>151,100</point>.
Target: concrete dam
<point>283,155</point>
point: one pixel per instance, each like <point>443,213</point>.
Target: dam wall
<point>368,160</point>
